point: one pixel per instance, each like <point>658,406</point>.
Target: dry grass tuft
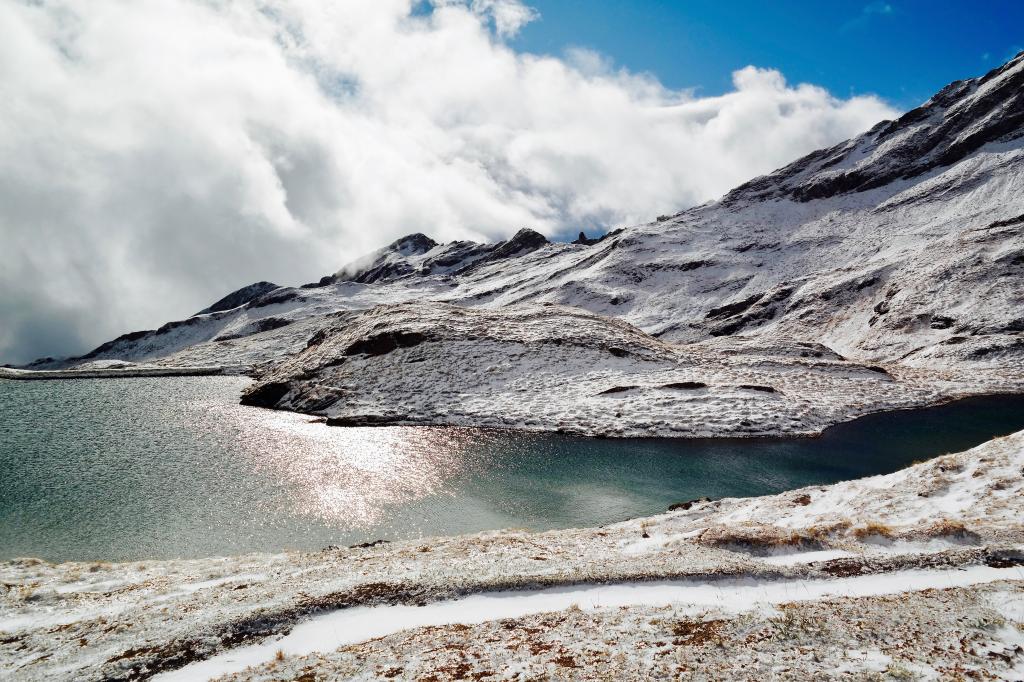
<point>764,537</point>
<point>823,531</point>
<point>698,633</point>
<point>872,528</point>
<point>946,527</point>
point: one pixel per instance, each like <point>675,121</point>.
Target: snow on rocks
<point>556,368</point>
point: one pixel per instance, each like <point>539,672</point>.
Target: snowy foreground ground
<point>914,575</point>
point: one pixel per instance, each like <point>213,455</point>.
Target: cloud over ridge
<point>158,153</point>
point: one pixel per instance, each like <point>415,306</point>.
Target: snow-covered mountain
<point>903,247</point>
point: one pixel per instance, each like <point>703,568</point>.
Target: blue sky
<point>903,50</point>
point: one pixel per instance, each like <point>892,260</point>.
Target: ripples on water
<point>156,468</point>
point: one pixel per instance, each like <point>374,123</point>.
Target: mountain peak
<point>957,121</point>
<point>240,297</point>
<point>412,244</point>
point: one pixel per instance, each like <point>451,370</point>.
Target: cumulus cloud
<point>158,153</point>
<point>508,15</point>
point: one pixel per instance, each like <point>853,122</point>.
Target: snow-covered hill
<point>552,367</point>
<point>903,247</point>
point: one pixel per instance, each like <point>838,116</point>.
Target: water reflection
<point>349,477</point>
<point>140,468</point>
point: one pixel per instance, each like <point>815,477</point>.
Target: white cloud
<point>156,154</point>
<point>509,15</point>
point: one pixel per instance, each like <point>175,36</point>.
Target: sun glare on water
<point>351,476</point>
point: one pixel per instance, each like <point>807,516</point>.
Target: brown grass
<point>873,528</point>
<point>697,633</point>
<point>823,531</point>
<point>946,527</point>
<point>766,536</point>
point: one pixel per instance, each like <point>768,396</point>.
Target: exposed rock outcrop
<point>240,297</point>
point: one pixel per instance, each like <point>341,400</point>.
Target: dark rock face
<point>688,504</point>
<point>1009,221</point>
<point>280,295</point>
<point>240,297</point>
<point>412,244</point>
<point>524,241</point>
<point>584,240</point>
<point>730,309</point>
<point>686,385</point>
<point>269,323</point>
<point>110,345</point>
<point>319,337</point>
<point>393,261</point>
<point>617,389</point>
<point>177,324</point>
<point>385,267</point>
<point>265,395</point>
<point>733,317</point>
<point>382,344</point>
<point>456,256</point>
<point>385,264</point>
<point>367,545</point>
<point>754,387</point>
<point>317,404</point>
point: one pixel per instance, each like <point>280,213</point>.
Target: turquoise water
<point>122,469</point>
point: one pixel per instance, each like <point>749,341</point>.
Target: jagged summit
<point>954,123</point>
<point>386,263</point>
<point>523,241</point>
<point>412,244</point>
<point>418,254</point>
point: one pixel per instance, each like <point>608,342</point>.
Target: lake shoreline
<point>181,454</point>
<point>937,400</point>
<point>13,374</point>
<point>857,551</point>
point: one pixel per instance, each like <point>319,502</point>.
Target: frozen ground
<point>551,367</point>
<point>914,573</point>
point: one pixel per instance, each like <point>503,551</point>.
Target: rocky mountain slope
<point>902,248</point>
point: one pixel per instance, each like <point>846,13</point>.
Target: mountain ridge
<point>901,248</point>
